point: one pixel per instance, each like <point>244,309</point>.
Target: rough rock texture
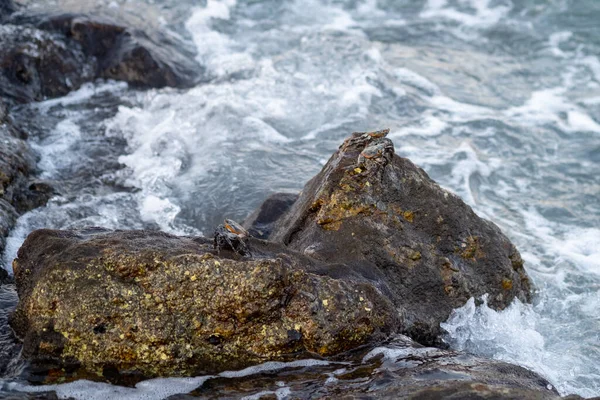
<point>400,370</point>
<point>261,222</point>
<point>48,55</point>
<point>17,193</point>
<point>164,305</point>
<point>37,64</point>
<point>421,245</point>
<point>147,59</point>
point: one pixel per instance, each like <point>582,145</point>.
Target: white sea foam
<point>531,337</point>
<point>556,39</point>
<point>155,389</point>
<point>182,144</point>
<point>273,366</point>
<point>161,388</point>
<point>85,92</point>
<point>472,13</point>
<point>393,354</point>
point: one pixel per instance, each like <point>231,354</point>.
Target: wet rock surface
<point>261,222</point>
<point>37,64</point>
<point>145,59</point>
<point>48,54</point>
<point>386,220</point>
<point>157,305</point>
<point>18,193</point>
<point>401,369</point>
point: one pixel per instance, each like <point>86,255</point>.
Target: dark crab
<point>379,151</point>
<point>366,137</point>
<point>231,236</point>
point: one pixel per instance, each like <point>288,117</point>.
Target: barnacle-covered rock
<point>163,305</point>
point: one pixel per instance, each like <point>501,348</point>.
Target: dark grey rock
<point>150,59</point>
<point>37,64</point>
<point>387,221</point>
<point>407,371</point>
<point>16,162</point>
<point>260,223</point>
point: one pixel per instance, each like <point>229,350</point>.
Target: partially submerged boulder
<point>426,249</point>
<point>398,369</point>
<point>145,59</point>
<point>163,305</point>
<point>262,221</point>
<point>47,55</point>
<point>371,247</point>
<point>36,64</point>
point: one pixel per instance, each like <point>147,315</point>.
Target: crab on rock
<point>231,236</point>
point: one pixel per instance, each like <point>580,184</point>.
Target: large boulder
<point>37,64</point>
<point>163,305</point>
<point>150,59</point>
<point>421,245</point>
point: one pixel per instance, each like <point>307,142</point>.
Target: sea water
<point>499,101</point>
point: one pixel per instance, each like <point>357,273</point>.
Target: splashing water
<point>499,101</point>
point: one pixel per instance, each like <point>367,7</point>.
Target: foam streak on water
<point>499,101</point>
<point>160,388</point>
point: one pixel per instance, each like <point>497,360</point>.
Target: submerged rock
<point>163,305</point>
<point>387,221</point>
<point>399,369</point>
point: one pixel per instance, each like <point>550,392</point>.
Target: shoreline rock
<point>18,193</point>
<point>120,52</point>
<point>47,55</point>
<point>341,272</point>
<point>154,304</point>
<point>422,246</point>
<point>399,369</point>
